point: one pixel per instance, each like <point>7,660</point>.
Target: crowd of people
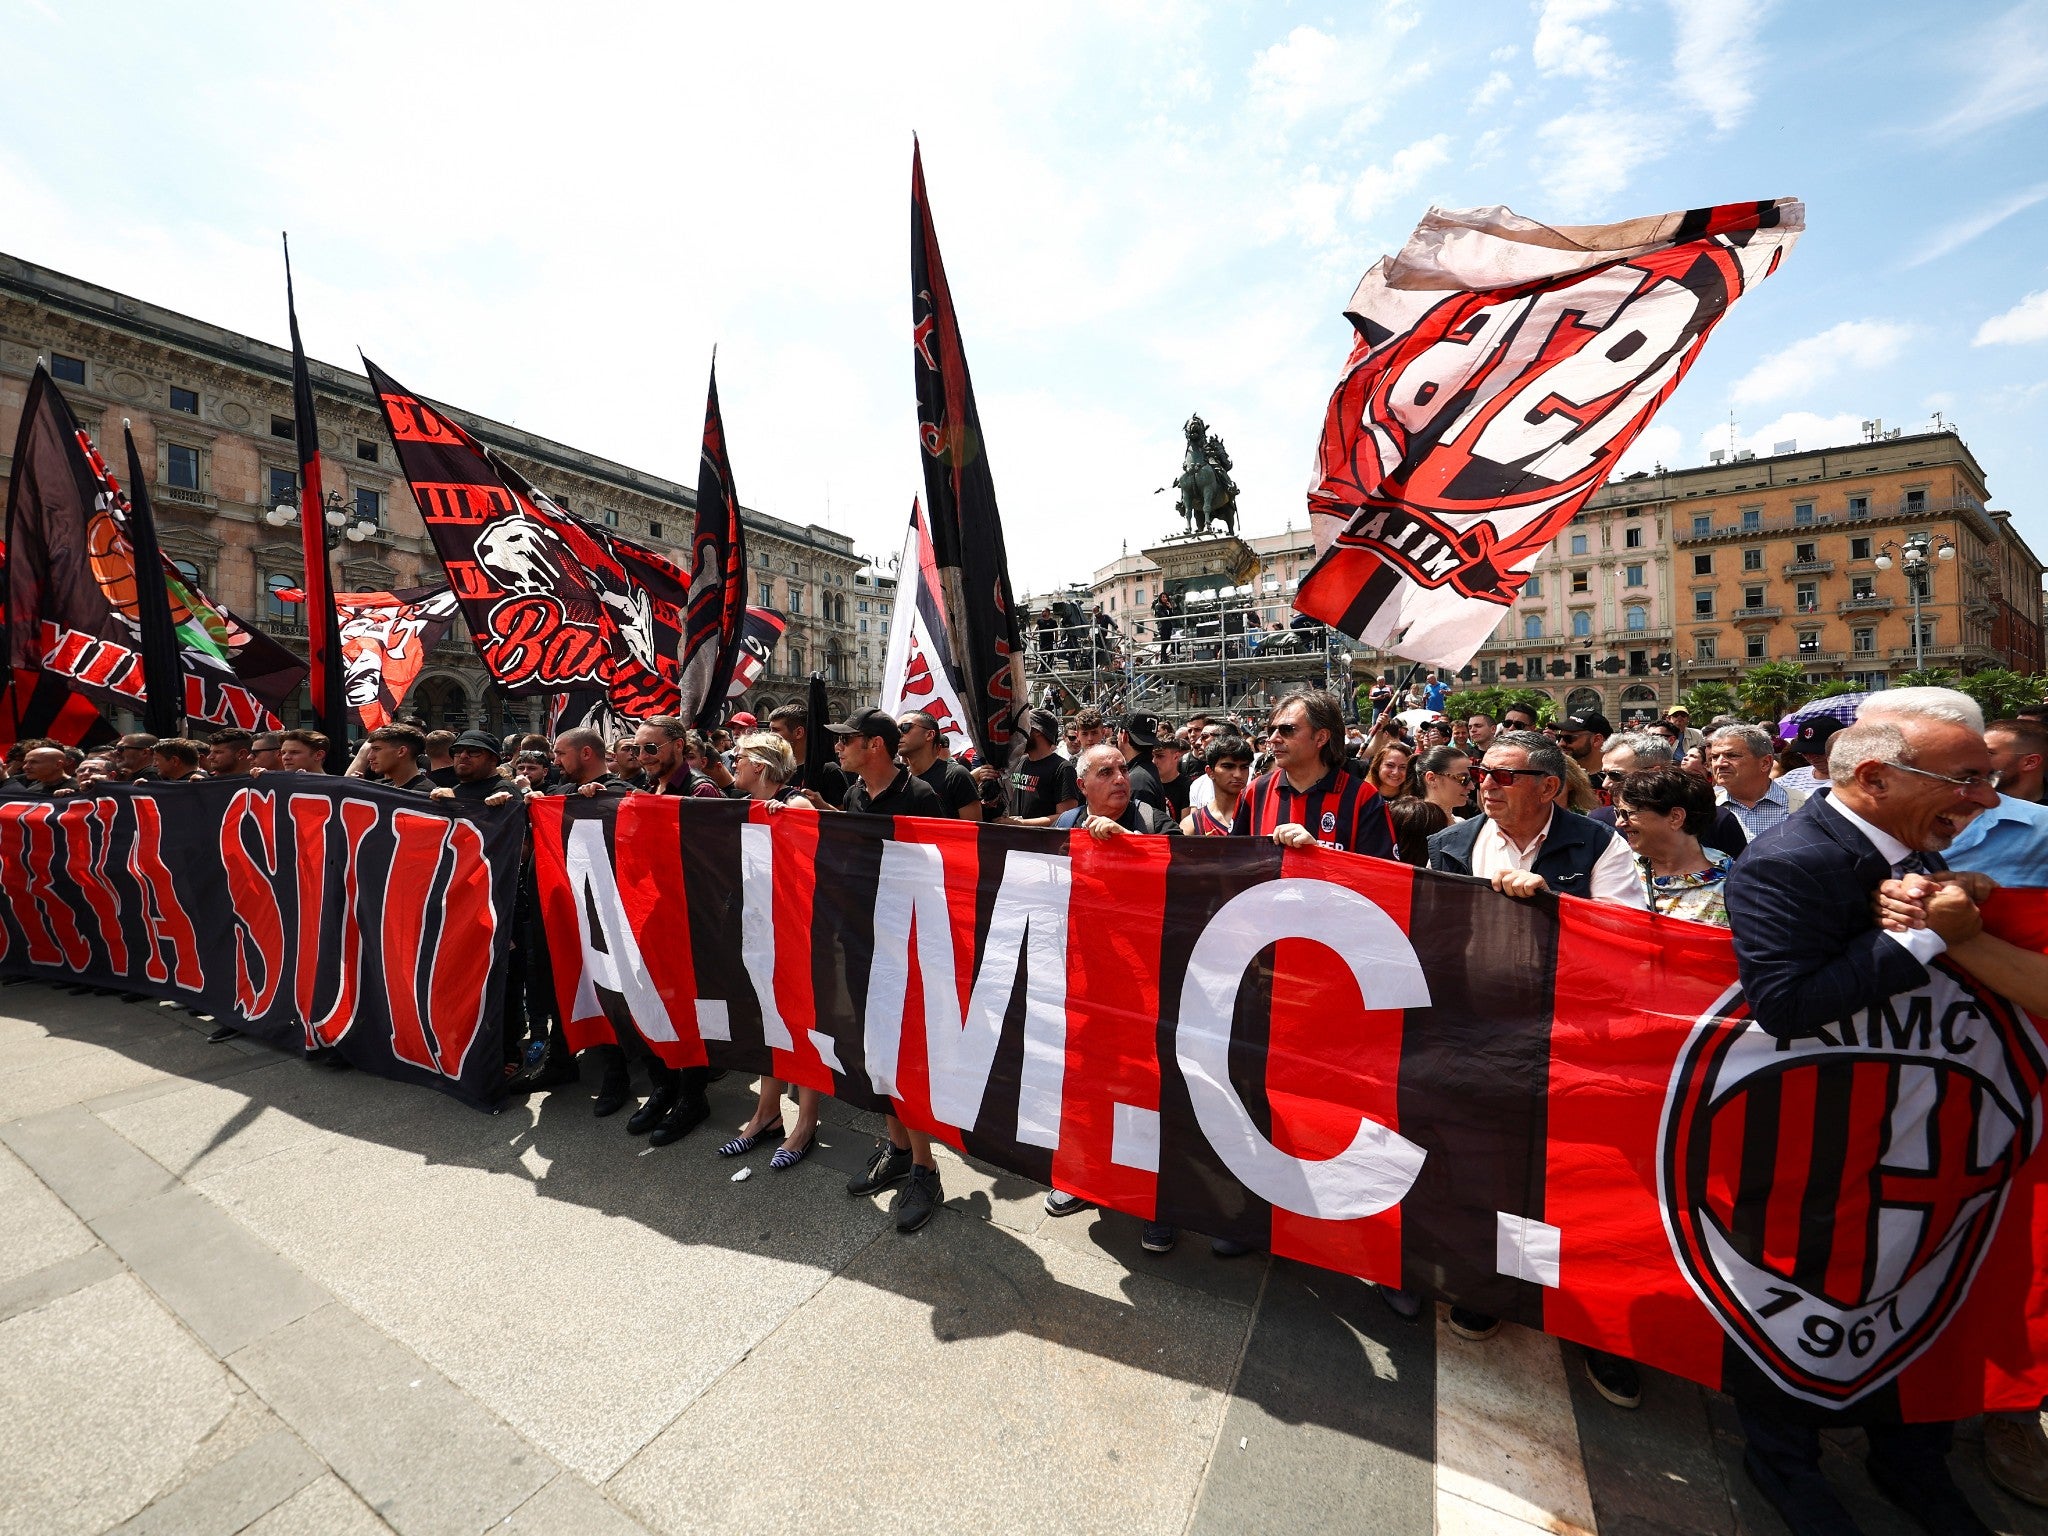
<point>1821,853</point>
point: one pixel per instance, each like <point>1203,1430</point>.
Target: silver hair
<point>1756,741</point>
<point>1096,759</point>
<point>1650,751</point>
<point>1921,704</point>
<point>1879,741</point>
<point>1545,756</point>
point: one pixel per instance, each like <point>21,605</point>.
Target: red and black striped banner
<point>1554,1111</point>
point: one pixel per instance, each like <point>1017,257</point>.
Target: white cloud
<point>1503,53</point>
<point>1379,185</point>
<point>1564,47</point>
<point>1495,86</point>
<point>1802,427</point>
<point>2005,72</point>
<point>1716,57</point>
<point>1653,446</point>
<point>1806,364</point>
<point>1589,155</point>
<point>1956,236</point>
<point>2025,321</point>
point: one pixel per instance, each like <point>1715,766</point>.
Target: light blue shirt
<point>2009,843</point>
<point>1776,805</point>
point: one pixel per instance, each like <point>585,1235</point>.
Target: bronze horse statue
<point>1207,493</point>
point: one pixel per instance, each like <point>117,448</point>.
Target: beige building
<point>212,415</point>
<point>874,600</point>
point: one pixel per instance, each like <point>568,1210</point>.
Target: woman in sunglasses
<point>1443,777</point>
<point>1664,812</point>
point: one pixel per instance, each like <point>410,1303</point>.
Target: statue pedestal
<point>1203,559</point>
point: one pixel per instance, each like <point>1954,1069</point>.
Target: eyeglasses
<point>1967,784</point>
<point>1284,728</point>
<point>1457,778</point>
<point>1504,778</point>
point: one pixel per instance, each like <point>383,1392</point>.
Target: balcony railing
<point>184,496</point>
<point>1863,605</point>
<point>1834,516</point>
<point>1764,611</point>
<point>1810,568</point>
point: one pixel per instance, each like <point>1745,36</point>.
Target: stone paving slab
<point>41,1230</point>
<point>568,1506</point>
<point>231,1495</point>
<point>90,1166</point>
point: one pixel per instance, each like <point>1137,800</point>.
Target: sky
<point>549,215</point>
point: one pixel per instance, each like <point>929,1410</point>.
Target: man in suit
<point>1809,951</point>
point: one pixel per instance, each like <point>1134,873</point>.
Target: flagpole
<point>323,621</point>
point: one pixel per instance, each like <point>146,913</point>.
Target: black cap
<point>1042,721</point>
<point>1143,731</point>
<point>478,741</point>
<point>869,722</point>
<point>1588,720</point>
<point>1814,734</point>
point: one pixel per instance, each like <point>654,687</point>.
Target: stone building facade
<point>212,415</point>
<point>874,600</point>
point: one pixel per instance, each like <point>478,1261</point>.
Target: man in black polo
<point>919,742</point>
<point>133,758</point>
<point>866,744</point>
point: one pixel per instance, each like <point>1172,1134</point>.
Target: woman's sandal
<point>789,1157</point>
<point>741,1144</point>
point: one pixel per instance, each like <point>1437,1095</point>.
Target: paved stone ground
<point>238,1294</point>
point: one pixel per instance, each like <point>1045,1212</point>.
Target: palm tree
<point>1773,689</point>
<point>1706,700</point>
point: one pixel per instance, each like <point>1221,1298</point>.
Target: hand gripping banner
<point>309,911</point>
<point>1553,1111</point>
<point>1500,371</point>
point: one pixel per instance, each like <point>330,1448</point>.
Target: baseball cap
<point>1143,731</point>
<point>869,722</point>
<point>1815,734</point>
<point>478,741</point>
<point>1588,720</point>
<point>743,721</point>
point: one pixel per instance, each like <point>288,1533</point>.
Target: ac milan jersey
<point>1340,810</point>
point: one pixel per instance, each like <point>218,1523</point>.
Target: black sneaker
<point>1158,1237</point>
<point>225,1033</point>
<point>915,1201</point>
<point>1614,1379</point>
<point>1467,1324</point>
<point>884,1168</point>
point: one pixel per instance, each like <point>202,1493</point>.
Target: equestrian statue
<point>1208,495</point>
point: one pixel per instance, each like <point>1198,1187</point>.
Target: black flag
<point>967,531</point>
<point>323,627</point>
<point>817,741</point>
<point>163,676</point>
<point>715,620</point>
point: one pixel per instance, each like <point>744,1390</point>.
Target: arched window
<point>275,607</point>
<point>1636,618</point>
<point>1532,626</point>
<point>1583,701</point>
<point>189,571</point>
<point>1582,624</point>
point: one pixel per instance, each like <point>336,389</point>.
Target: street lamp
<point>334,512</point>
<point>1914,554</point>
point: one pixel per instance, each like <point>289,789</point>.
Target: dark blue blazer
<point>1572,848</point>
<point>1807,947</point>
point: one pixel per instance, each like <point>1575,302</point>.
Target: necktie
<point>1911,864</point>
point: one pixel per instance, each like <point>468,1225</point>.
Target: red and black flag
<point>757,643</point>
<point>74,587</point>
<point>967,530</point>
<point>324,678</point>
<point>1556,1111</point>
<point>385,638</point>
<point>163,679</point>
<point>1499,372</point>
<point>40,705</point>
<point>715,621</point>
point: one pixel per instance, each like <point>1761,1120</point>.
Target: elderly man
<point>1108,808</point>
<point>1634,750</point>
<point>1688,738</point>
<point>1739,758</point>
<point>1809,953</point>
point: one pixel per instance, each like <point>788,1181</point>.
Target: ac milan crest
<point>1830,1197</point>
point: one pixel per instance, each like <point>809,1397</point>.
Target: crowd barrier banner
<point>1554,1111</point>
<point>304,910</point>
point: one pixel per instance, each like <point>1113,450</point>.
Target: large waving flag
<point>1500,371</point>
<point>919,672</point>
<point>73,585</point>
<point>967,531</point>
<point>714,623</point>
<point>323,638</point>
<point>385,638</point>
<point>163,679</point>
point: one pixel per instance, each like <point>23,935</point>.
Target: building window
<point>1582,624</point>
<point>1582,665</point>
<point>274,606</point>
<point>67,370</point>
<point>1638,663</point>
<point>1752,519</point>
<point>1582,581</point>
<point>796,600</point>
<point>1861,587</point>
<point>765,595</point>
<point>1752,559</point>
<point>1859,506</point>
<point>1703,565</point>
<point>1632,537</point>
<point>1752,597</point>
<point>861,606</point>
<point>284,487</point>
<point>1809,642</point>
<point>1927,632</point>
<point>1753,647</point>
<point>1489,673</point>
<point>1578,543</point>
<point>1702,647</point>
<point>1532,626</point>
<point>1635,618</point>
<point>190,571</point>
<point>181,467</point>
<point>1802,514</point>
<point>761,559</point>
<point>1859,548</point>
<point>654,530</point>
<point>863,626</point>
<point>1916,501</point>
<point>185,400</point>
<point>1703,605</point>
<point>369,505</point>
<point>1633,576</point>
<point>1703,525</point>
<point>1803,554</point>
<point>366,450</point>
<point>611,518</point>
<point>1533,587</point>
<point>1863,641</point>
<point>1141,594</point>
<point>281,426</point>
<point>1806,596</point>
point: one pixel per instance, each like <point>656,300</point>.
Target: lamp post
<point>334,513</point>
<point>1914,554</point>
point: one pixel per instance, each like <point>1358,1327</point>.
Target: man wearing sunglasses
<point>1310,798</point>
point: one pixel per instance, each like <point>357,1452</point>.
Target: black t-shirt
<point>1035,786</point>
<point>482,789</point>
<point>607,783</point>
<point>442,778</point>
<point>1070,785</point>
<point>953,784</point>
<point>418,784</point>
<point>906,795</point>
<point>1145,787</point>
